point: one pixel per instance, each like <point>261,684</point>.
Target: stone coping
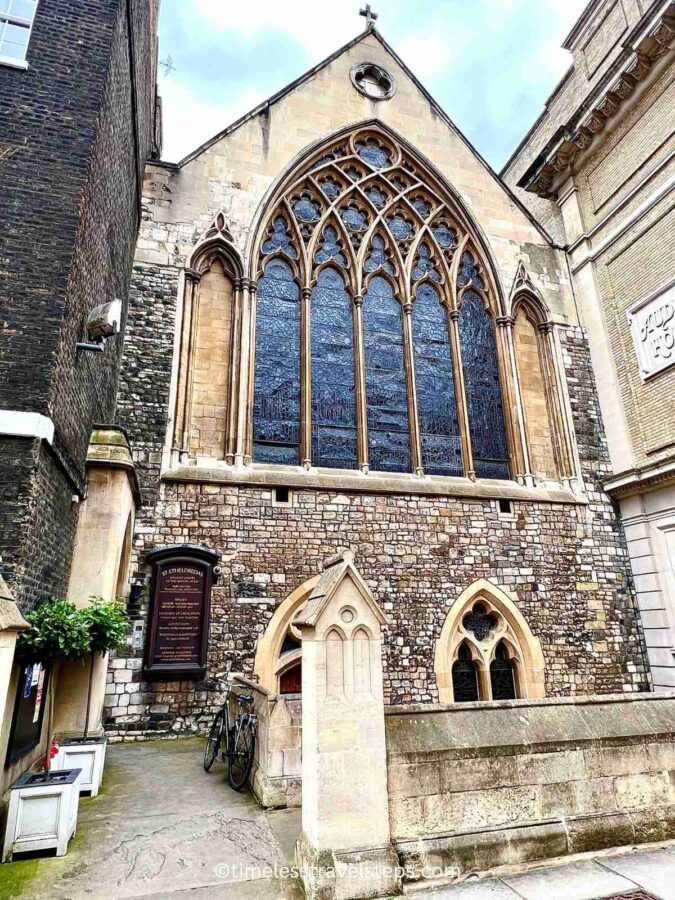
<point>493,728</point>
<point>581,700</point>
<point>371,483</point>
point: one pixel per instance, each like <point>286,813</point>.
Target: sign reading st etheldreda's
<point>177,642</point>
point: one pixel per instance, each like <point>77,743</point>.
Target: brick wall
<point>68,220</point>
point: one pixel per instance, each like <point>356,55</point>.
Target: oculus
<point>373,81</point>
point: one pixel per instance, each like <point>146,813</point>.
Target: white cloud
<point>317,27</point>
<point>189,121</point>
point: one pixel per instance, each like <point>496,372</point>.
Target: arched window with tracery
<point>486,650</point>
<point>374,337</point>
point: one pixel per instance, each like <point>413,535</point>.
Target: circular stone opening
<point>373,81</point>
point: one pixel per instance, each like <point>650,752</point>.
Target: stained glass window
<point>446,237</point>
<point>483,393</point>
<point>386,393</point>
<point>422,206</point>
<point>329,248</point>
<point>378,256</point>
<point>401,228</point>
<point>373,153</point>
<point>424,265</point>
<point>306,209</point>
<point>280,239</point>
<point>439,426</point>
<point>333,386</point>
<point>330,187</point>
<point>502,678</point>
<point>366,198</point>
<point>469,272</point>
<point>276,404</point>
<point>377,197</point>
<point>464,677</point>
<point>354,218</point>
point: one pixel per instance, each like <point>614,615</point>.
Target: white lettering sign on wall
<point>652,323</point>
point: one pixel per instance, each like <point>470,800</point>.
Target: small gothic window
<point>373,81</point>
<point>502,677</point>
<point>464,677</point>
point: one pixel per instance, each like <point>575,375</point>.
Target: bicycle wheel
<point>241,757</point>
<point>213,741</point>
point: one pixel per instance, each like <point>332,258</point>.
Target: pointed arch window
<point>502,674</point>
<point>465,676</point>
<point>486,650</point>
<point>439,426</point>
<point>391,307</point>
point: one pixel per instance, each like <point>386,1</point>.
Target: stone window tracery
<point>371,335</point>
<point>407,375</point>
<point>486,650</point>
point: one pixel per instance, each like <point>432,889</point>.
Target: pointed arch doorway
<point>278,663</point>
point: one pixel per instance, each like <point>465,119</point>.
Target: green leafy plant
<point>107,625</point>
<point>57,632</point>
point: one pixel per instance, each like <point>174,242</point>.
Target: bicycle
<point>235,740</point>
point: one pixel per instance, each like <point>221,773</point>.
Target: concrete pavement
<point>160,828</point>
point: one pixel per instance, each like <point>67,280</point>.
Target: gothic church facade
<point>345,330</point>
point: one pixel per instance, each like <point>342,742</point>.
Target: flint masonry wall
<point>482,785</point>
<point>566,562</point>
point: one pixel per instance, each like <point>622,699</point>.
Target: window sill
<point>344,480</point>
<point>13,63</point>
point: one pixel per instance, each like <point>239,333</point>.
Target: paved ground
<point>163,829</point>
<point>652,871</point>
<point>160,829</point>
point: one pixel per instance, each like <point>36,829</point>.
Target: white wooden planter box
<point>89,756</point>
<point>42,815</point>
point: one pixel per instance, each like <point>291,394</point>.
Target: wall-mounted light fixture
<point>103,322</point>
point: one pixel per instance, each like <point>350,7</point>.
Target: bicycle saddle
<point>245,698</point>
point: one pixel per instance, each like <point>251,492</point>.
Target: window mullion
<point>360,378</point>
<point>413,413</point>
<point>460,394</point>
<point>306,379</point>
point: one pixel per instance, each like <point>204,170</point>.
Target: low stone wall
<point>276,779</point>
<point>483,785</point>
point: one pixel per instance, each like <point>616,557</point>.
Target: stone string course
<point>567,563</point>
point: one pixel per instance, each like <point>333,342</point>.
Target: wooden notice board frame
<point>179,613</point>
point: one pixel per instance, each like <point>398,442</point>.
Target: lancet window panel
<point>276,405</point>
<point>439,426</point>
<point>386,390</point>
<point>333,389</point>
<point>394,366</point>
<point>483,391</point>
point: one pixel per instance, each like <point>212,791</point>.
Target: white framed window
<point>16,22</point>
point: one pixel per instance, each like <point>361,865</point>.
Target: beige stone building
<point>598,170</point>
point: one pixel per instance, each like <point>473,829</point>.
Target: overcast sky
<point>489,63</point>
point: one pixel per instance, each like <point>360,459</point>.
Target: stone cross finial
<point>370,16</point>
